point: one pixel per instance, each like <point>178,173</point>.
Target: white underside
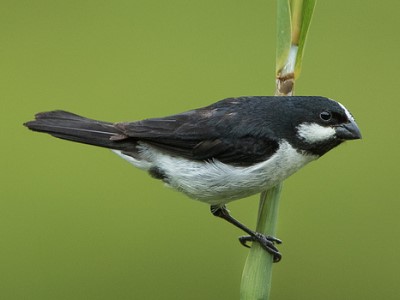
<point>218,183</point>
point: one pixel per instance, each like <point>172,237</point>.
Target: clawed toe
<point>267,242</point>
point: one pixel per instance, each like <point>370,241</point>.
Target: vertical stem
<point>293,21</point>
<point>257,273</point>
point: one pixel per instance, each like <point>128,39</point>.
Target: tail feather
<point>69,126</point>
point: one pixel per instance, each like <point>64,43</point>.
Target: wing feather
<point>217,132</point>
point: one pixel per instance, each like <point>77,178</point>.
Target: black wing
<point>225,131</point>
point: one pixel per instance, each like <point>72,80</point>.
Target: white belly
<point>214,182</point>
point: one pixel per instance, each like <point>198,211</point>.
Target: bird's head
<point>320,124</point>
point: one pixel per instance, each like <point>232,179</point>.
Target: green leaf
<point>284,33</point>
<point>307,10</point>
<point>293,22</point>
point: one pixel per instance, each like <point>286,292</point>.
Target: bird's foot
<point>266,241</point>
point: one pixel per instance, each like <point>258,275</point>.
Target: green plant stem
<point>293,20</point>
<point>257,273</point>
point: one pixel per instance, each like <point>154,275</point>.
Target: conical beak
<point>348,131</point>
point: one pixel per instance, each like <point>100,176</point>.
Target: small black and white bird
<point>229,150</point>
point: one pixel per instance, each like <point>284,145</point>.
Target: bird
<point>229,150</point>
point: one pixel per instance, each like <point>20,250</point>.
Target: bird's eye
<point>325,116</point>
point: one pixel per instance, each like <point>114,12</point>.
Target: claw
<point>267,242</point>
<point>244,239</point>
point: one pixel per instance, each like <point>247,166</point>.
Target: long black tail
<point>68,126</point>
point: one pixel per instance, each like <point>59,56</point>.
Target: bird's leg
<point>266,241</point>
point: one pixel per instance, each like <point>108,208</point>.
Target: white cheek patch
<point>313,133</point>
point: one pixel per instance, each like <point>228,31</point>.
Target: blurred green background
<point>77,222</point>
